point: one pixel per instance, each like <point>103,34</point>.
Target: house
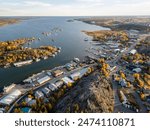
<point>59,83</point>
<point>39,94</point>
<point>133,51</point>
<point>67,80</point>
<point>49,73</point>
<point>57,73</point>
<point>52,86</point>
<point>75,76</point>
<point>123,83</point>
<point>46,91</point>
<point>28,100</point>
<point>70,66</point>
<point>32,102</point>
<point>77,60</point>
<point>125,100</point>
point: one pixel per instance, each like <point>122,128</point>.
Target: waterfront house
<point>43,79</point>
<point>57,73</point>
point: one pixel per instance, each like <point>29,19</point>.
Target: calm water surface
<point>71,40</point>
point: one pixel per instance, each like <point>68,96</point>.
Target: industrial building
<point>79,74</point>
<point>67,80</point>
<point>11,97</point>
<point>43,80</point>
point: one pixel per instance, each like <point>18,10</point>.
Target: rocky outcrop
<point>92,94</point>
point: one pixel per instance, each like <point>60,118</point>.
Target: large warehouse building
<point>10,98</point>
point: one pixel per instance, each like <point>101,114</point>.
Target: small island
<point>13,53</point>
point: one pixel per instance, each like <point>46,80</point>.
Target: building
<point>32,102</point>
<point>123,83</point>
<point>133,51</point>
<point>59,83</point>
<point>79,74</point>
<point>67,80</point>
<point>75,76</point>
<point>10,98</point>
<point>28,100</point>
<point>46,91</point>
<point>70,66</point>
<point>137,70</point>
<point>9,88</point>
<point>19,64</point>
<point>83,72</point>
<point>57,73</point>
<point>39,94</point>
<point>125,100</point>
<point>52,87</point>
<point>49,73</point>
<point>43,80</point>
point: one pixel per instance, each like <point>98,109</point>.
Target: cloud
<point>36,3</point>
<point>74,7</point>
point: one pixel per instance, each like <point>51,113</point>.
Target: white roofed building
<point>67,80</point>
<point>133,51</point>
<point>43,80</point>
<point>10,98</point>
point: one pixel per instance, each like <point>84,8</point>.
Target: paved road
<point>118,105</point>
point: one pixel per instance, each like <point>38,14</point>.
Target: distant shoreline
<point>8,21</point>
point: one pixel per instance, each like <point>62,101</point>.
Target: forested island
<point>14,51</point>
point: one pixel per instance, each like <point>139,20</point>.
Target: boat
<point>86,39</point>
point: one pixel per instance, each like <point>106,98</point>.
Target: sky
<point>74,7</point>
